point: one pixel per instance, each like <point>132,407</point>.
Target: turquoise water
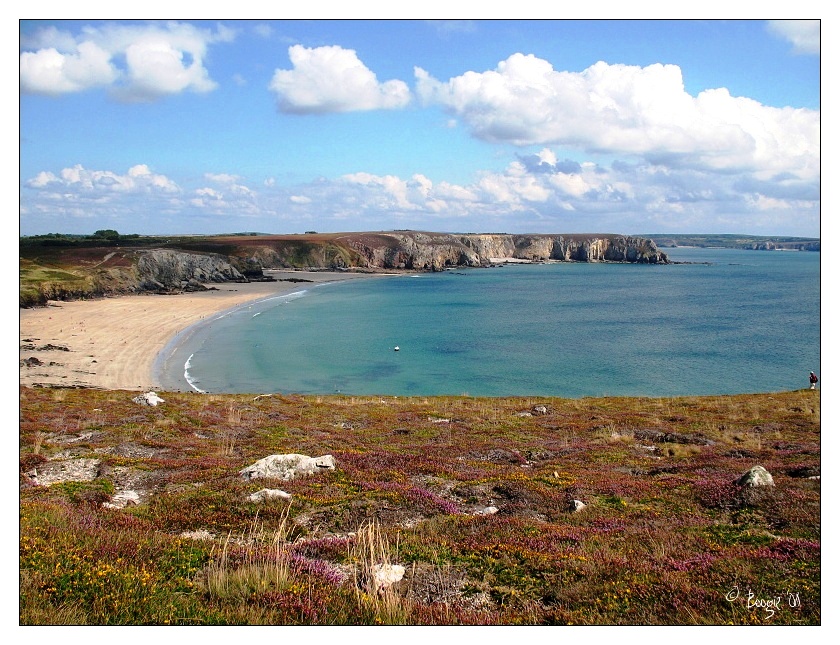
<point>748,321</point>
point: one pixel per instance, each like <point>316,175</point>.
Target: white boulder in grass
<point>149,398</point>
<point>123,499</point>
<point>269,493</point>
<point>287,467</point>
<point>385,575</point>
<point>756,476</point>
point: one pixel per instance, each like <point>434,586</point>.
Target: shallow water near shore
<point>731,322</point>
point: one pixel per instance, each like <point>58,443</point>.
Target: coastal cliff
<point>67,268</point>
<point>437,251</point>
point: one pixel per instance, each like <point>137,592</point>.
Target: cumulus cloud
<point>113,199</point>
<point>540,191</point>
<point>138,179</point>
<point>48,71</point>
<point>804,35</point>
<point>229,194</point>
<point>333,79</point>
<point>625,109</point>
<point>137,62</point>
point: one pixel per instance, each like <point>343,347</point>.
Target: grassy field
<point>666,535</point>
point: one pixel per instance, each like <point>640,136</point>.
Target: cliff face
<point>161,269</point>
<point>165,270</point>
<point>199,261</point>
<point>431,251</point>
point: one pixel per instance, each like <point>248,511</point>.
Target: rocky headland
<point>84,268</point>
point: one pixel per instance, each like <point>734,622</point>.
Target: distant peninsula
<point>67,267</point>
<point>748,242</point>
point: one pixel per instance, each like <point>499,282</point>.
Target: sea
<point>717,321</point>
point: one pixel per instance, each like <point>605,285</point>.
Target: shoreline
<point>117,343</point>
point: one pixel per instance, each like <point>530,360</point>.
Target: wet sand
<point>112,343</point>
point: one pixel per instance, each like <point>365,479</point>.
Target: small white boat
<point>397,348</point>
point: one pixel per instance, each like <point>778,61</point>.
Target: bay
<point>726,322</point>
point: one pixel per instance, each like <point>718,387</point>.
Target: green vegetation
<point>666,536</point>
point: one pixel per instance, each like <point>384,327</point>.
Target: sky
<point>506,126</point>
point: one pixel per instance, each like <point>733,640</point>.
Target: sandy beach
<point>112,343</point>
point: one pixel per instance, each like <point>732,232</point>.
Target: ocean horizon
<point>721,321</point>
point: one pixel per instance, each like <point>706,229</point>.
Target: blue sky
<point>286,126</point>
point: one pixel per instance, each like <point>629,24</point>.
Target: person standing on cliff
<point>813,380</point>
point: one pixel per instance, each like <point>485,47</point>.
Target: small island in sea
<point>142,506</point>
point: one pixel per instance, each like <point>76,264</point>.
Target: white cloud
<point>208,192</point>
<point>222,178</point>
<point>138,179</point>
<point>624,109</point>
<point>804,35</point>
<point>536,192</point>
<point>138,62</point>
<point>333,79</point>
<point>51,72</point>
<point>156,68</point>
<point>111,199</point>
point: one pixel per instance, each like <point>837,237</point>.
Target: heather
<point>473,497</point>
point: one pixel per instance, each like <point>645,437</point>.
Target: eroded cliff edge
<point>420,251</point>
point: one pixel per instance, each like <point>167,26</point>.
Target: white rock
<point>268,493</point>
<point>490,510</point>
<point>385,575</point>
<point>756,476</point>
<point>287,467</point>
<point>65,470</point>
<point>149,398</point>
<point>201,534</point>
<point>123,499</point>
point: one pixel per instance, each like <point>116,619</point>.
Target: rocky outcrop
<point>162,269</point>
<point>437,251</point>
<point>149,398</point>
<point>243,259</point>
<point>783,246</point>
<point>756,476</point>
<point>266,494</point>
<point>63,470</point>
<point>287,467</point>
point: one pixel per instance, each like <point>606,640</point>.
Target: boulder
<point>287,467</point>
<point>200,534</point>
<point>123,499</point>
<point>756,476</point>
<point>385,575</point>
<point>268,493</point>
<point>576,506</point>
<point>56,472</point>
<point>149,398</point>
